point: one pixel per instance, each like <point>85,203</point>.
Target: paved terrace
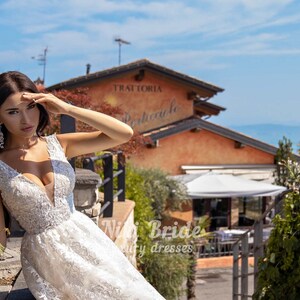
<point>12,283</point>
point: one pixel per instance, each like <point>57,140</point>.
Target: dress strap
<point>54,147</point>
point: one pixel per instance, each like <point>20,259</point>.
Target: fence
<point>109,173</point>
<point>251,243</point>
<point>214,245</point>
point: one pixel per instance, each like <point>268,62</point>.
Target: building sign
<point>148,104</point>
<point>150,117</point>
<point>137,88</point>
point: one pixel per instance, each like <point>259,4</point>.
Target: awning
<point>213,185</point>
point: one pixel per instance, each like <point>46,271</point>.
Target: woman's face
<point>20,116</point>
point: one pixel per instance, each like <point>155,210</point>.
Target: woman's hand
<point>51,103</point>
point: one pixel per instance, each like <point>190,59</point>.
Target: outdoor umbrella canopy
<point>213,185</point>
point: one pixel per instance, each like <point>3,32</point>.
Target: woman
<point>64,254</point>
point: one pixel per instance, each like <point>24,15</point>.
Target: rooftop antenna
<point>42,59</point>
<point>120,42</point>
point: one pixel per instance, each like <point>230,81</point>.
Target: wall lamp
<point>191,95</point>
<point>155,144</point>
<point>140,76</point>
<point>238,145</point>
<point>196,129</point>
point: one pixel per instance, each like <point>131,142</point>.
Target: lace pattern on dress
<point>29,203</point>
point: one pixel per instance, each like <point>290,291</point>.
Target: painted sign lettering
<point>147,117</point>
<point>141,88</point>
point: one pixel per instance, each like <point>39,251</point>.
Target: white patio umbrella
<point>213,185</point>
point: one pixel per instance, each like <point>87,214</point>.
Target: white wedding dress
<point>64,254</point>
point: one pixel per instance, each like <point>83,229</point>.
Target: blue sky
<point>251,48</point>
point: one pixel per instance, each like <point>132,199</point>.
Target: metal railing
<point>251,243</point>
<point>213,245</point>
<point>109,173</point>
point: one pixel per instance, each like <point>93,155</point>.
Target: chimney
<point>88,68</point>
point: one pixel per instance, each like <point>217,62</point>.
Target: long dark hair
<point>16,82</point>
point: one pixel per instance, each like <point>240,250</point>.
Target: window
<point>250,209</point>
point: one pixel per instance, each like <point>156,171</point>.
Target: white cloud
<point>157,18</point>
<point>200,30</point>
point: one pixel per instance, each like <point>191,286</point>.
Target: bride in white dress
<point>64,255</point>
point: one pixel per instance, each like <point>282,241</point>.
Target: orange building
<point>172,108</point>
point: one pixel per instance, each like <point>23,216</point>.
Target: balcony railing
<point>109,173</point>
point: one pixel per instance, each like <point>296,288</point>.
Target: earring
<point>1,138</point>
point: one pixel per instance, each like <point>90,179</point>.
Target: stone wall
<point>121,229</point>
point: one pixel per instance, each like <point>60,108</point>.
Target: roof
<point>139,64</point>
<point>171,129</point>
<point>198,124</point>
<point>204,108</point>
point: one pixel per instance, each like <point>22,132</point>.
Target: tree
<point>279,269</point>
<point>165,271</point>
<point>164,191</point>
<point>284,153</point>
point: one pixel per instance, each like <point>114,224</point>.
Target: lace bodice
<point>28,203</point>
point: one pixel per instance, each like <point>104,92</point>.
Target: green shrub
<point>279,269</point>
<point>164,191</point>
<point>165,271</point>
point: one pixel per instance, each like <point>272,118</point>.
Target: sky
<point>251,48</point>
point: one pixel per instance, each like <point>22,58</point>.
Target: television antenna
<point>121,42</point>
<point>42,59</point>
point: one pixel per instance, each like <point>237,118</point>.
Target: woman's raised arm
<point>111,132</point>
